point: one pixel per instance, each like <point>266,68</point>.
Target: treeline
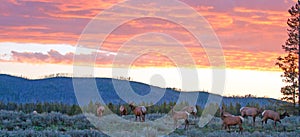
<point>114,108</point>
<point>42,107</point>
<point>233,108</point>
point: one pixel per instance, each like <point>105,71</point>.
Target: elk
<point>224,113</point>
<point>190,109</point>
<point>177,115</point>
<point>100,110</point>
<point>139,111</point>
<point>231,120</point>
<point>275,116</point>
<point>123,110</point>
<point>34,112</point>
<point>250,111</point>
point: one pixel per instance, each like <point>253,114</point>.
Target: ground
<point>57,124</point>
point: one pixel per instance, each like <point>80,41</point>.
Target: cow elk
<point>139,111</point>
<point>100,110</point>
<point>275,116</point>
<point>178,115</point>
<point>250,111</point>
<point>231,120</point>
<point>190,109</point>
<point>123,110</point>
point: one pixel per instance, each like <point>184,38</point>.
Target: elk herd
<point>231,120</point>
<point>184,114</point>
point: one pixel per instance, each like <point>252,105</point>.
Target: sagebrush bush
<point>57,124</point>
<point>150,132</point>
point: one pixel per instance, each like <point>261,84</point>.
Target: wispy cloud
<point>138,56</point>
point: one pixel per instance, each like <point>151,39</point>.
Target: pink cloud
<point>243,27</point>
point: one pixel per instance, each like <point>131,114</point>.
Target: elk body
<point>250,111</point>
<point>224,113</point>
<point>100,110</point>
<point>231,120</point>
<point>139,111</point>
<point>123,110</point>
<point>190,109</point>
<point>275,116</point>
<point>178,115</point>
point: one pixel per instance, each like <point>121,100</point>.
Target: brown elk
<point>275,116</point>
<point>224,113</point>
<point>190,109</point>
<point>100,110</point>
<point>139,111</point>
<point>250,111</point>
<point>177,115</point>
<point>123,110</point>
<point>231,120</point>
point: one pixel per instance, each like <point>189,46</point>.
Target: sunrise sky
<point>39,37</point>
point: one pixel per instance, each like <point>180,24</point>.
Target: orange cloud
<point>248,34</point>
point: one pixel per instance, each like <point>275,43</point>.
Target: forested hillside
<point>60,89</point>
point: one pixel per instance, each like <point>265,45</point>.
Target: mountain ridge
<point>60,89</point>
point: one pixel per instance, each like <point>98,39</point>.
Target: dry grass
<point>127,127</point>
<point>114,125</point>
<point>57,124</point>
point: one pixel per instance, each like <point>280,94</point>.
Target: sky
<point>41,37</point>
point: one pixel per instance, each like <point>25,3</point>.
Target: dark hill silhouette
<point>60,89</point>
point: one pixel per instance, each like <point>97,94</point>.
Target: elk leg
<point>241,128</point>
<point>253,121</point>
<point>186,124</point>
<point>262,122</point>
<point>194,114</point>
<point>222,126</point>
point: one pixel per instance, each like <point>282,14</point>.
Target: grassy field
<point>57,124</point>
